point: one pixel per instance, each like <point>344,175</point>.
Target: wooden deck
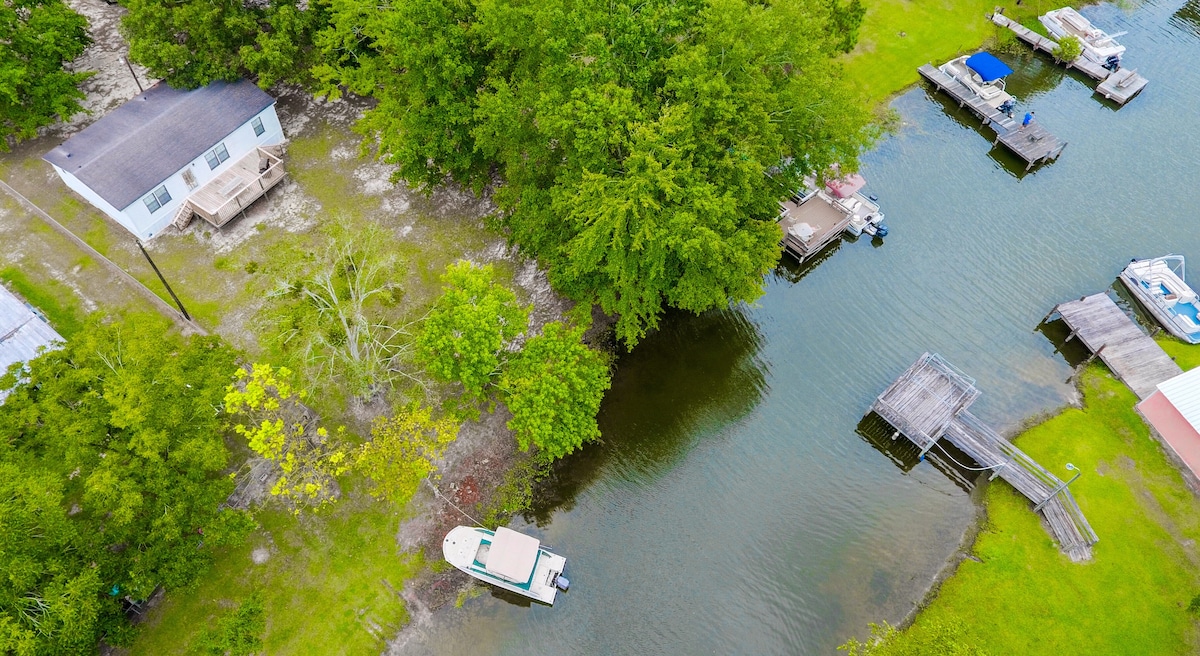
<point>1033,144</point>
<point>929,402</point>
<point>825,222</point>
<point>1129,353</point>
<point>231,192</point>
<point>1118,86</point>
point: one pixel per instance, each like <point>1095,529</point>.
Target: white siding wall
<point>92,197</point>
<point>138,219</point>
<point>239,143</point>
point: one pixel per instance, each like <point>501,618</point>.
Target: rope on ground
<point>445,498</point>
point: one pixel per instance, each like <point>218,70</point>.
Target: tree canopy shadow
<point>686,381</point>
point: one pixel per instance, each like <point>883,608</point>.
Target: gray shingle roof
<point>22,333</point>
<point>136,146</point>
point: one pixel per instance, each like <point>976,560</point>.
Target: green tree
<point>238,631</point>
<point>331,312</point>
<point>281,429</point>
<point>112,456</point>
<point>553,389</point>
<point>190,43</point>
<point>465,336</point>
<point>1069,49</point>
<point>642,146</point>
<point>39,37</point>
<point>402,450</point>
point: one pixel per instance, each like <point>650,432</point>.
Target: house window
<point>189,179</point>
<point>258,126</point>
<point>217,155</point>
<point>157,198</point>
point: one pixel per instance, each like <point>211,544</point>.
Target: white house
<point>168,153</point>
<point>23,334</point>
<point>1174,411</point>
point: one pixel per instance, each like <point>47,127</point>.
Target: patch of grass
<point>56,300</point>
<point>311,163</point>
<point>330,586</point>
<point>898,36</point>
<point>1025,597</point>
<point>1186,355</point>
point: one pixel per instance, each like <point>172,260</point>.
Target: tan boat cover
<point>512,555</point>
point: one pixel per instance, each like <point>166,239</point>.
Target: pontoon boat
<point>507,559</point>
<point>1158,284</point>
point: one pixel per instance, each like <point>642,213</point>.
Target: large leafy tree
<point>37,37</point>
<point>553,388</point>
<point>642,145</point>
<point>111,461</point>
<point>190,43</point>
<point>467,333</point>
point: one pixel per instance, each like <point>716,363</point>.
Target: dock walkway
<point>1118,86</point>
<point>1134,357</point>
<point>1033,144</point>
<point>929,402</point>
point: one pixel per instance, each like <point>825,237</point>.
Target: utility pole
<point>139,85</point>
<point>164,281</point>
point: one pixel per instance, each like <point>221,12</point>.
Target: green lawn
<point>934,31</point>
<point>330,585</point>
<point>1023,596</point>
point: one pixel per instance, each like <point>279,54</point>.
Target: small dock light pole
<point>1060,488</point>
<point>164,282</point>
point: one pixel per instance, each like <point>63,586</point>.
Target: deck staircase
<point>183,216</point>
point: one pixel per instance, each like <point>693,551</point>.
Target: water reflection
<point>692,376</point>
<point>874,430</point>
<point>1188,17</point>
<point>793,271</point>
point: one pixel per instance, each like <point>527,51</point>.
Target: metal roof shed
<point>23,334</point>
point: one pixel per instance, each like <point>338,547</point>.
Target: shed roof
<point>133,148</point>
<point>512,555</point>
<point>22,333</point>
<point>1183,391</point>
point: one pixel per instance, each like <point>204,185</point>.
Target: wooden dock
<point>1132,356</point>
<point>929,402</point>
<point>1118,86</point>
<point>1033,144</point>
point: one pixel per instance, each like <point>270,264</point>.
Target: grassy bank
<point>897,36</point>
<point>1020,595</point>
<point>329,584</point>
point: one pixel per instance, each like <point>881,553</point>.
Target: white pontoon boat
<point>984,75</point>
<point>507,559</point>
<point>1098,46</point>
<point>1158,284</point>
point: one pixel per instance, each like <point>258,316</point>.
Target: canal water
<point>738,503</point>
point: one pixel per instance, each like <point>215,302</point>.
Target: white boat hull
<point>462,548</point>
<point>1165,296</point>
<point>1098,46</point>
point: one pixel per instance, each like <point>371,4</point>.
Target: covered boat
<point>507,559</point>
<point>983,74</point>
<point>1159,285</point>
<point>1098,46</point>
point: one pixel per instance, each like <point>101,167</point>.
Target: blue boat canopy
<point>988,67</point>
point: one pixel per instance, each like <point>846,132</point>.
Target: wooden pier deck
<point>929,402</point>
<point>1118,86</point>
<point>1132,356</point>
<point>1033,144</point>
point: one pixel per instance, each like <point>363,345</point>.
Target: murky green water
<point>737,504</point>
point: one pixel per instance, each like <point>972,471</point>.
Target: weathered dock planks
<point>1118,86</point>
<point>1129,353</point>
<point>929,401</point>
<point>1033,143</point>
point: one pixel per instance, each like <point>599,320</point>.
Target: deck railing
<point>247,193</point>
